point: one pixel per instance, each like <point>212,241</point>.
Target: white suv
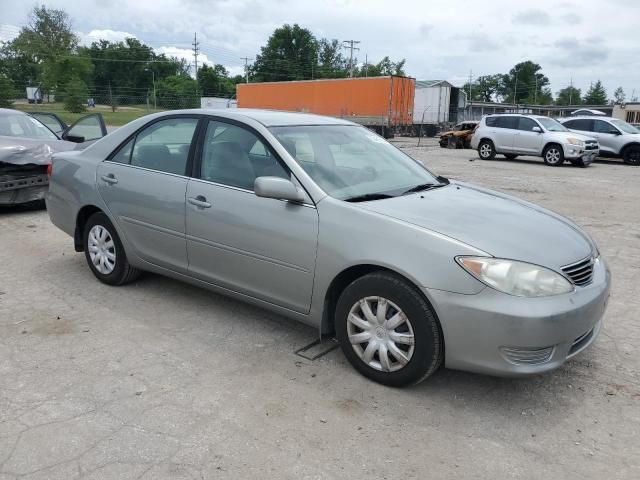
<point>514,134</point>
<point>616,137</point>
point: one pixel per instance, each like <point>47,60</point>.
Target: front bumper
<point>499,334</point>
<point>575,152</point>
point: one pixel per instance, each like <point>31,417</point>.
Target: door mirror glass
<point>278,188</point>
<point>536,129</point>
<point>89,127</point>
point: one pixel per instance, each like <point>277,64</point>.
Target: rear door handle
<point>110,178</point>
<point>199,201</point>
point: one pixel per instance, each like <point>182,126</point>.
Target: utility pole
<point>196,51</point>
<point>366,65</point>
<point>515,93</point>
<point>470,80</point>
<point>246,68</point>
<point>535,93</point>
<point>571,90</point>
<point>350,44</point>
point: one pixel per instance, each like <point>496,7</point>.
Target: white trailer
<point>218,102</point>
<point>34,95</point>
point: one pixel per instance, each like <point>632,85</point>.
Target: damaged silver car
<point>27,143</point>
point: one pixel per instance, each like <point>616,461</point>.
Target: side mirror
<point>278,188</point>
<point>536,129</point>
<point>73,138</point>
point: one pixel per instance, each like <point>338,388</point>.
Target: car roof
<point>269,118</point>
<point>587,117</point>
<point>5,112</point>
<point>528,115</point>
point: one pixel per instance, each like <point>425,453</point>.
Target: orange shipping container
<point>371,101</point>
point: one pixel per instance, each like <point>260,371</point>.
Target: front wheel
<point>632,155</point>
<point>486,150</point>
<point>388,331</point>
<point>104,252</point>
<point>553,155</point>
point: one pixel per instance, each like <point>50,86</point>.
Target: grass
<point>121,116</point>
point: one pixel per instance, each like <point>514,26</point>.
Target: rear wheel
<point>632,155</point>
<point>486,150</point>
<point>510,156</point>
<point>388,331</point>
<point>553,155</point>
<point>104,252</point>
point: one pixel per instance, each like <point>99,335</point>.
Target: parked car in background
<point>26,147</point>
<point>616,137</point>
<point>324,221</point>
<point>513,134</point>
<point>459,136</point>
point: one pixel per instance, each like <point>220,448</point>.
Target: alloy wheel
<point>485,150</point>
<point>380,334</point>
<point>553,156</point>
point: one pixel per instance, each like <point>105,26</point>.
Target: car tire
<point>510,156</point>
<point>632,155</point>
<point>553,155</point>
<point>402,342</point>
<point>486,150</point>
<point>104,252</point>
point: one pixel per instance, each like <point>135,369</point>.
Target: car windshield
<point>551,125</point>
<point>24,126</point>
<point>624,126</point>
<point>353,163</point>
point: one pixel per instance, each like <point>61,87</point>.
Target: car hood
<point>25,151</point>
<point>497,224</point>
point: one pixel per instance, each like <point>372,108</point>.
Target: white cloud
<point>110,35</point>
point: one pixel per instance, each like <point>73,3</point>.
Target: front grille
<point>527,356</point>
<point>580,273</point>
<point>590,145</point>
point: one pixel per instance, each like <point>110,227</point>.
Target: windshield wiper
<point>368,196</point>
<point>422,187</point>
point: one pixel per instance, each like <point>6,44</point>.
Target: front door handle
<point>110,178</point>
<point>199,201</point>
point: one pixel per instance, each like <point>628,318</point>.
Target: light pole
<point>153,79</point>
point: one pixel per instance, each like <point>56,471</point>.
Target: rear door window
<point>164,145</point>
<point>507,122</point>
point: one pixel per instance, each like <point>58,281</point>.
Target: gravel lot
<point>162,380</point>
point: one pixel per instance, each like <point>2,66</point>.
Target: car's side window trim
<point>133,137</point>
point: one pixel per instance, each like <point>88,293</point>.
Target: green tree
<point>48,43</point>
<point>331,62</point>
<point>383,68</point>
<point>126,70</point>
<point>485,88</point>
<point>75,95</point>
<point>7,92</point>
<point>619,96</point>
<point>291,53</point>
<point>177,91</point>
<point>569,96</point>
<point>596,95</point>
<point>525,83</point>
<point>215,81</point>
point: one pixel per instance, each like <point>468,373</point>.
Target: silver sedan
<point>325,222</point>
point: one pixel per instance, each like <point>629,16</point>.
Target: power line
<point>350,45</point>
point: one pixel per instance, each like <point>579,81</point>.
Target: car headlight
<point>516,278</point>
<point>575,141</point>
